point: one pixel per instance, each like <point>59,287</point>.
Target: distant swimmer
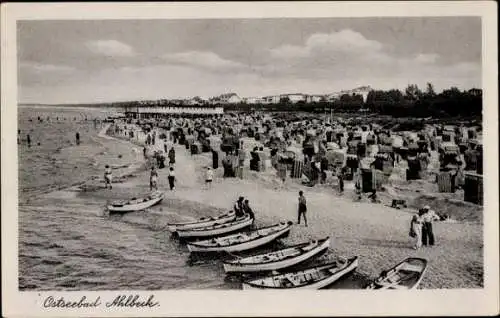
<point>108,177</point>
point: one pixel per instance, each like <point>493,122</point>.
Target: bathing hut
<point>473,188</point>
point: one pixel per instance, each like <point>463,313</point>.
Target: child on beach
<point>171,178</point>
<point>108,177</point>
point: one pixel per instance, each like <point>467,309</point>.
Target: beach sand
<point>68,242</point>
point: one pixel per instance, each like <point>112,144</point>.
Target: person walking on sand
<point>153,179</point>
<point>302,208</point>
<point>428,217</point>
<point>209,176</point>
<point>108,177</point>
<point>28,140</point>
<point>416,229</point>
<point>77,137</point>
<point>171,178</point>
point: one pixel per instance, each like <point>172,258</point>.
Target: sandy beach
<point>68,242</point>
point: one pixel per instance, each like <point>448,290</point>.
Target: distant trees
<point>415,103</point>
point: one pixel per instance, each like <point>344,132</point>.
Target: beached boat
<point>242,241</point>
<point>217,229</point>
<point>275,260</point>
<point>202,222</point>
<point>311,278</point>
<point>405,275</point>
<point>135,204</point>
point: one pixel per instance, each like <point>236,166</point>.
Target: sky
<point>91,61</point>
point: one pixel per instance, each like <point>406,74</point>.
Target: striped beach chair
<point>444,182</point>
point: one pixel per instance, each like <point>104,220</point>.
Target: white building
<point>195,101</point>
<point>230,98</point>
<point>253,100</point>
<point>275,99</point>
<point>362,90</point>
<point>294,98</point>
<point>314,98</point>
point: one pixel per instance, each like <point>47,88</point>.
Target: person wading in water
<point>302,209</point>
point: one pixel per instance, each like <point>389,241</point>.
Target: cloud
<point>348,41</point>
<point>203,60</point>
<point>111,48</point>
<point>426,58</point>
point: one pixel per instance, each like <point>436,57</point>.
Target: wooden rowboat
<point>202,222</point>
<point>242,241</point>
<point>217,229</point>
<point>275,260</point>
<point>135,204</point>
<point>406,275</point>
<point>311,278</point>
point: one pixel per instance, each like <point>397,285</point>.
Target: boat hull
<point>245,268</point>
<point>242,246</point>
<point>134,207</point>
<point>398,285</point>
<point>200,224</point>
<point>214,232</point>
<point>317,285</point>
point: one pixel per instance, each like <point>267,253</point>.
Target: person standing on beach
<point>209,176</point>
<point>341,182</point>
<point>238,207</point>
<point>77,137</point>
<point>416,229</point>
<point>302,209</point>
<point>248,210</point>
<point>428,217</point>
<point>28,140</point>
<point>171,156</point>
<point>171,178</point>
<point>108,177</point>
<point>153,179</point>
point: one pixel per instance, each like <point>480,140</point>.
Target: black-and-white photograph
<point>266,154</point>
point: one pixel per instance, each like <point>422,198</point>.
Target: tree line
<point>413,102</point>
